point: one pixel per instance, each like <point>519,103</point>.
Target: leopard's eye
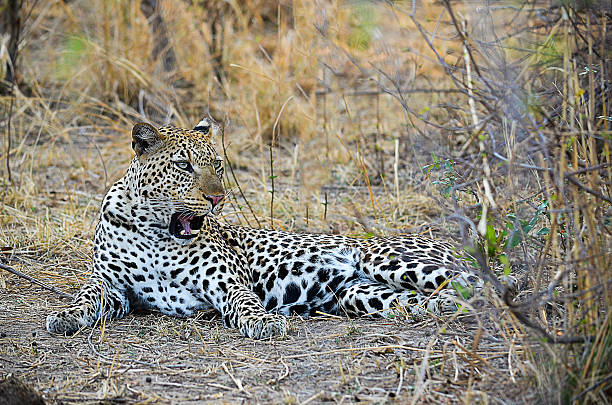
<point>184,165</point>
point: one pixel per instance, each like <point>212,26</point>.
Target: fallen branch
<point>35,281</point>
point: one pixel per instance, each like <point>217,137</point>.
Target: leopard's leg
<point>377,299</point>
<point>95,300</point>
<point>241,308</point>
<point>407,264</point>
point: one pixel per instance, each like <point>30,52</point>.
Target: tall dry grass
<point>530,142</point>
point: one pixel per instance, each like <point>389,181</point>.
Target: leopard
<point>159,246</point>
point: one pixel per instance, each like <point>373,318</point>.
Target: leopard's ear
<point>209,127</point>
<point>146,139</point>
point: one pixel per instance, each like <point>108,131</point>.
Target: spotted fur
<point>158,246</point>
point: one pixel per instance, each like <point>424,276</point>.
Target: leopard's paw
<point>448,306</point>
<point>444,303</point>
<point>418,306</point>
<point>65,322</point>
<point>262,327</point>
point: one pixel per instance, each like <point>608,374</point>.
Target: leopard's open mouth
<point>185,227</point>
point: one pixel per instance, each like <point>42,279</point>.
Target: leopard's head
<point>179,174</point>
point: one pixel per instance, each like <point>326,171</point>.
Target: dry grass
<point>336,90</point>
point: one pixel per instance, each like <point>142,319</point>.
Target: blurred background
<point>487,123</point>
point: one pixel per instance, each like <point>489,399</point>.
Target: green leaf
<point>490,235</point>
<point>76,47</point>
<point>491,239</point>
<point>514,241</point>
<point>543,232</point>
<point>504,260</point>
<point>466,292</point>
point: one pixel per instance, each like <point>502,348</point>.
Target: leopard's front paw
<point>65,322</point>
<point>262,327</point>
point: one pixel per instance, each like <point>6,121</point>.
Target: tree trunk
<point>11,24</point>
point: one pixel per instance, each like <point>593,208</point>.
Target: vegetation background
<point>486,123</point>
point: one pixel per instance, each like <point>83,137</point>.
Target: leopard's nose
<point>215,199</point>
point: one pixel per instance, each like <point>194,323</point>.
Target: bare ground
<point>151,358</point>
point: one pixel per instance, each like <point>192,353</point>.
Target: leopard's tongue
<point>186,223</point>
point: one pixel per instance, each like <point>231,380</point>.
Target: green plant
<point>447,177</point>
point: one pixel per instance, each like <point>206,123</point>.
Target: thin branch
<point>35,281</point>
<point>587,189</point>
<point>592,387</point>
<point>272,176</point>
<point>588,169</point>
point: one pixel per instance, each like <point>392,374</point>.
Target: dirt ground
<point>152,358</point>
